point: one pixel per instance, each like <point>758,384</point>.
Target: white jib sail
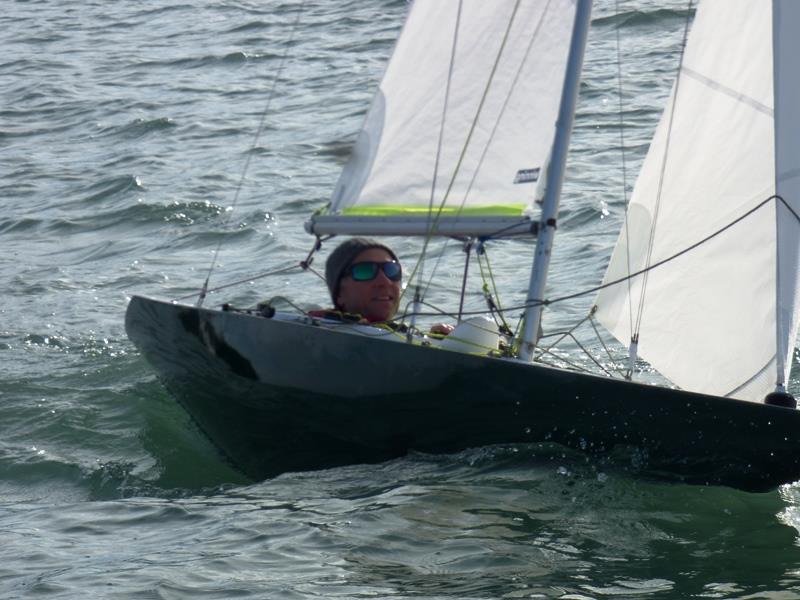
<point>721,318</point>
<point>464,118</point>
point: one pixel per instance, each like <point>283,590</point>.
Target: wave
<point>138,128</point>
<point>642,18</point>
<point>201,62</point>
<point>109,187</point>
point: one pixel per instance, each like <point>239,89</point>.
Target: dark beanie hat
<point>343,256</point>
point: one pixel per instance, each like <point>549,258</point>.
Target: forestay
<point>457,138</point>
<point>722,318</point>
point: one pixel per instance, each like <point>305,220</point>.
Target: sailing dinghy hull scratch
<point>254,386</point>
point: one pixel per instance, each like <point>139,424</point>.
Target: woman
<point>364,278</point>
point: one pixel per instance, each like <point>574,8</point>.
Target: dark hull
<point>278,396</point>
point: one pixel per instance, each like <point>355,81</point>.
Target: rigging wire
<point>500,310</point>
<point>624,165</point>
<point>595,289</point>
<point>664,261</point>
<point>644,270</point>
<point>533,38</point>
<point>440,143</point>
<point>617,368</point>
<point>662,173</point>
<point>204,290</point>
<point>569,333</point>
<point>288,269</point>
<point>434,216</point>
<point>574,366</point>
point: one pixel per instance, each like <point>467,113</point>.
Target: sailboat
<point>467,138</point>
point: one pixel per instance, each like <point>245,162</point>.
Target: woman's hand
<point>442,328</point>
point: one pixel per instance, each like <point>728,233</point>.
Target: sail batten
<point>501,83</point>
<point>380,210</point>
<point>721,319</point>
<point>733,93</point>
<point>487,226</point>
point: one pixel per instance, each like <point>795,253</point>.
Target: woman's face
<point>376,299</point>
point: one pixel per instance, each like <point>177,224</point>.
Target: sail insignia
<point>527,175</point>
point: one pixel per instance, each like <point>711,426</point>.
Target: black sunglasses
<point>368,270</point>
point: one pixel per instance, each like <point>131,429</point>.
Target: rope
<point>467,251</point>
<point>677,254</point>
<point>495,308</point>
<point>284,299</point>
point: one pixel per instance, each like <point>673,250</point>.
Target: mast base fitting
<point>780,399</point>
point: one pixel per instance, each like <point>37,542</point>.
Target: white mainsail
<point>462,124</point>
<point>721,318</point>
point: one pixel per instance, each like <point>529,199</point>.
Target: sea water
<point>142,143</point>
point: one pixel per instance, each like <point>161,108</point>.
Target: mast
<point>555,177</point>
<point>785,17</point>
